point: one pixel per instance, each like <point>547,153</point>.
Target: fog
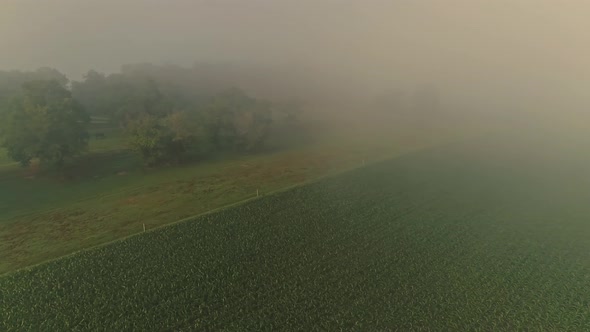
<point>295,164</point>
<point>481,55</point>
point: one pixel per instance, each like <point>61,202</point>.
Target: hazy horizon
<point>518,53</point>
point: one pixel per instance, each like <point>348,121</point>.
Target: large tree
<point>44,123</point>
<point>122,97</point>
<point>11,82</point>
<point>167,139</point>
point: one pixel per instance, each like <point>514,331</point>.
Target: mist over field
<point>480,55</point>
<point>308,165</point>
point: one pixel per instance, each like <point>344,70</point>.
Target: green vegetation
<point>12,81</point>
<point>46,124</point>
<point>167,123</point>
<point>230,121</point>
<point>164,145</point>
<point>111,195</point>
<point>484,236</point>
<point>4,158</point>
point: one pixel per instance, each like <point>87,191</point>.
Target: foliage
<point>92,93</point>
<point>155,141</point>
<point>45,123</point>
<point>166,120</point>
<point>121,98</point>
<point>11,82</point>
<point>168,111</point>
<point>232,120</point>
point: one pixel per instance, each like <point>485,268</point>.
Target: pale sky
<point>535,47</point>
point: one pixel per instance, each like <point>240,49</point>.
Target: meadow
<point>486,235</point>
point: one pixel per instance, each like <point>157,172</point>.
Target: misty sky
<point>511,48</point>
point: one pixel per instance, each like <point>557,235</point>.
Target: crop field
<point>488,235</point>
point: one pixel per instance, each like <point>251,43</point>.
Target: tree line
<point>169,114</point>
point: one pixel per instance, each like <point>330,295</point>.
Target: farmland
<point>110,195</point>
<point>488,235</point>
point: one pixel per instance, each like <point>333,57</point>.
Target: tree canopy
<point>230,121</point>
<point>11,82</point>
<point>167,112</point>
<point>44,123</point>
<point>120,97</point>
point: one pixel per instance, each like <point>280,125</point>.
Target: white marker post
<point>256,192</point>
<point>144,227</point>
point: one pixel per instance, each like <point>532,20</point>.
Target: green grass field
<point>488,235</point>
